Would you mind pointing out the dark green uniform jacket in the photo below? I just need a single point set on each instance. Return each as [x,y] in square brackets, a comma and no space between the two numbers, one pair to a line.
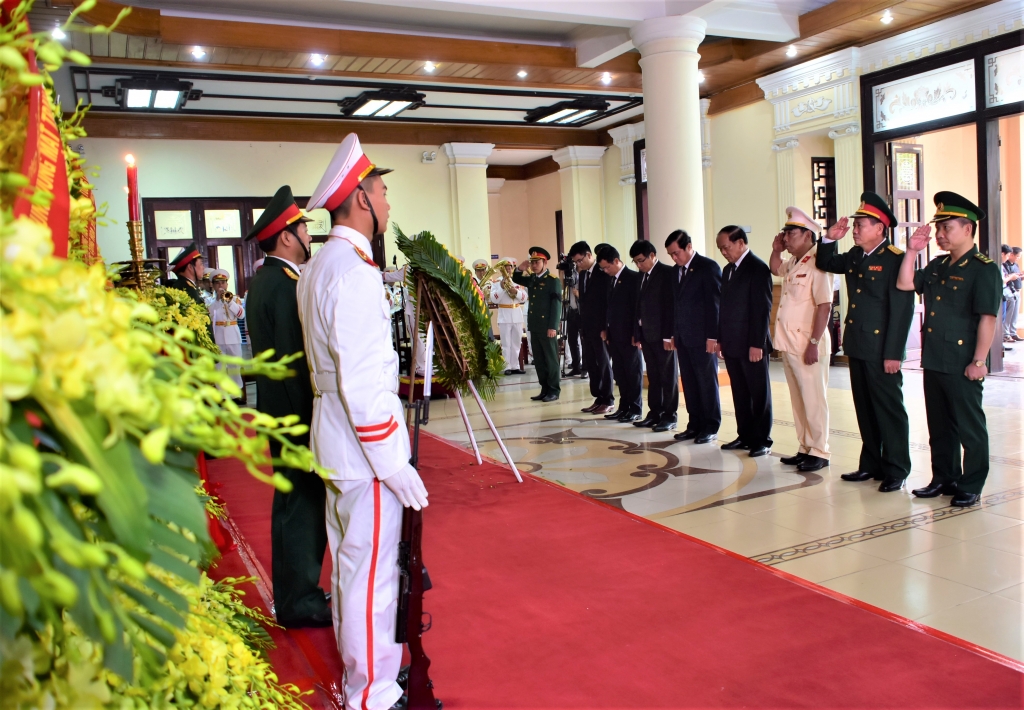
[879,315]
[545,311]
[196,294]
[956,295]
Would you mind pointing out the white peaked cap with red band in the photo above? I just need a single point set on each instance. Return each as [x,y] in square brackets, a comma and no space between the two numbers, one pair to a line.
[347,169]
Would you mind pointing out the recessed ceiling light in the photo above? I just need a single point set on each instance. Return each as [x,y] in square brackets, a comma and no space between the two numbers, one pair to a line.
[198,52]
[566,111]
[887,17]
[700,77]
[316,59]
[58,33]
[791,52]
[522,74]
[429,67]
[558,115]
[381,104]
[606,78]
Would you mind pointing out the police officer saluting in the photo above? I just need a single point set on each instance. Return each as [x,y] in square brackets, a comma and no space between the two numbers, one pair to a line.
[875,339]
[962,293]
[542,320]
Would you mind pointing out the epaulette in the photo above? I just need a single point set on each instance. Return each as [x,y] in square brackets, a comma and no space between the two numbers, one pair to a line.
[895,250]
[982,258]
[291,274]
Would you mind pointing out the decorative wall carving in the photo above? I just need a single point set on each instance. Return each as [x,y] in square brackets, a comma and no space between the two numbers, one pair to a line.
[844,129]
[817,104]
[1004,77]
[821,89]
[624,137]
[785,144]
[940,93]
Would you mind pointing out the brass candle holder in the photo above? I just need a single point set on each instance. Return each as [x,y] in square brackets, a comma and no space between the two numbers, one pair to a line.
[139,273]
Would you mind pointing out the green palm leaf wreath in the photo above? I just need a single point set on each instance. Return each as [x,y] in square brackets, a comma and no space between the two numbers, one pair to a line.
[454,303]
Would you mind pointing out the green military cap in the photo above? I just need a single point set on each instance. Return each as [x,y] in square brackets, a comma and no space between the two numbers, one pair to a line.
[874,205]
[281,212]
[539,253]
[949,205]
[186,257]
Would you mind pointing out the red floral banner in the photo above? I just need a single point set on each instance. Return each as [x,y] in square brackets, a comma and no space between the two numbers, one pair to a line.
[89,244]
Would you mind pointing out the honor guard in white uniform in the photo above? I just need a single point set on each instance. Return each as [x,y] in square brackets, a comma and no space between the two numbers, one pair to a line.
[358,429]
[225,310]
[510,319]
[801,335]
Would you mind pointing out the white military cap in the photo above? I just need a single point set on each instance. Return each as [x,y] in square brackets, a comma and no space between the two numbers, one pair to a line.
[479,264]
[510,259]
[347,169]
[219,275]
[796,217]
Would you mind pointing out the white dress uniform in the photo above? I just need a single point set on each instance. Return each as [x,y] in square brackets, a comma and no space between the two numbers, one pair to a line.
[804,288]
[224,316]
[358,432]
[510,322]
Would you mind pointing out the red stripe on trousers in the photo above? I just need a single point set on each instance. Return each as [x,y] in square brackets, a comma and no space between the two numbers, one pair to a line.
[369,593]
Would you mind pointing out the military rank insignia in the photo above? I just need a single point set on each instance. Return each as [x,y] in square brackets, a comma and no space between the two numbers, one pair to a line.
[877,267]
[291,274]
[982,258]
[895,250]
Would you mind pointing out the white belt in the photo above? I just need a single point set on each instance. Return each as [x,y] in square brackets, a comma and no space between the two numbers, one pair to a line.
[323,382]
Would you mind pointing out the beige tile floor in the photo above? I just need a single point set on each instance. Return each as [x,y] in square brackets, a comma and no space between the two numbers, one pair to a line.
[961,573]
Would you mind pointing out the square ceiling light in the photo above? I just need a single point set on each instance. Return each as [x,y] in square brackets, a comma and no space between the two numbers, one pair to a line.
[381,104]
[567,112]
[145,94]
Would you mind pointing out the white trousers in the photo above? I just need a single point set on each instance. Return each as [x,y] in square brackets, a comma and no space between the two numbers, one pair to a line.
[511,343]
[235,350]
[808,385]
[364,526]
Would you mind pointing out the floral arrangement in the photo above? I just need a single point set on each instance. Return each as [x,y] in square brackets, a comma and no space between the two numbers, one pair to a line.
[175,306]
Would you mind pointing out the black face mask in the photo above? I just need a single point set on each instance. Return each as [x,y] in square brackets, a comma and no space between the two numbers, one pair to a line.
[369,205]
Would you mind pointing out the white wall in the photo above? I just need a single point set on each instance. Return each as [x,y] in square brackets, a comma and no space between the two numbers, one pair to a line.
[419,194]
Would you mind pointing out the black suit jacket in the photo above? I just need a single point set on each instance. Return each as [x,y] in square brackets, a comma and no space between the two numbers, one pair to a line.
[622,306]
[272,316]
[655,309]
[594,287]
[697,297]
[745,308]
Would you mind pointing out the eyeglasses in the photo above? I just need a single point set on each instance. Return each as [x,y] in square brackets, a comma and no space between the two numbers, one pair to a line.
[639,260]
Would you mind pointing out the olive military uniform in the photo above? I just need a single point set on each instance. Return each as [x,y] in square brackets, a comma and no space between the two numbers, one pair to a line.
[956,295]
[877,324]
[298,530]
[545,314]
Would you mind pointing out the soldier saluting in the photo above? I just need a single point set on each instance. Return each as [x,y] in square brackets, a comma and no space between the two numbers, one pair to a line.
[962,295]
[875,339]
[543,318]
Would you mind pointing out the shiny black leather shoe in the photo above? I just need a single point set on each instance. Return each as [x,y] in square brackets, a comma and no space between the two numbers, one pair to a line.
[664,426]
[549,398]
[892,484]
[538,397]
[705,438]
[965,500]
[615,415]
[857,476]
[759,451]
[649,420]
[734,445]
[629,417]
[794,460]
[811,463]
[685,435]
[935,489]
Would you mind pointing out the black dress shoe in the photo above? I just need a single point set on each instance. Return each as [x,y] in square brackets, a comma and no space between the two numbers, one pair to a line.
[603,409]
[584,375]
[735,444]
[573,373]
[705,438]
[629,417]
[664,425]
[794,460]
[812,463]
[892,484]
[962,499]
[403,677]
[857,476]
[759,451]
[685,435]
[538,397]
[615,415]
[591,408]
[935,489]
[518,372]
[649,420]
[508,372]
[549,398]
[316,621]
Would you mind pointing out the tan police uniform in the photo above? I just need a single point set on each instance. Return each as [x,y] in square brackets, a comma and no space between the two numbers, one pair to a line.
[804,288]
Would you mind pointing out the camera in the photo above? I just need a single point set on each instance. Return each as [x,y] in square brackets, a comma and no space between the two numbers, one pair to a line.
[565,264]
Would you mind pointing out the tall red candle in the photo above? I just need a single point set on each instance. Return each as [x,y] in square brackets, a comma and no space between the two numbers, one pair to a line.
[133,189]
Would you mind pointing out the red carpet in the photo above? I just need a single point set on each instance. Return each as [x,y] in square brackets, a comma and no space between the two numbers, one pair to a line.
[545,599]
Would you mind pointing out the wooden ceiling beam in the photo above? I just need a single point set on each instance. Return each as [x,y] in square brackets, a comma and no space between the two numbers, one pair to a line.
[115,125]
[735,98]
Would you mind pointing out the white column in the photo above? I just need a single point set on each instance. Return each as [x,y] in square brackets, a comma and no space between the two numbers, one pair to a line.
[675,184]
[494,186]
[467,169]
[786,172]
[582,188]
[705,162]
[624,137]
[849,167]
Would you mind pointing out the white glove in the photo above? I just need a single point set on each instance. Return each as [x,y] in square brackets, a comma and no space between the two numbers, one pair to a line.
[408,487]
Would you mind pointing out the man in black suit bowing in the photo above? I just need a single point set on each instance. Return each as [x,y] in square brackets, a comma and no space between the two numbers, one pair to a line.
[744,341]
[653,332]
[594,285]
[698,290]
[618,334]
